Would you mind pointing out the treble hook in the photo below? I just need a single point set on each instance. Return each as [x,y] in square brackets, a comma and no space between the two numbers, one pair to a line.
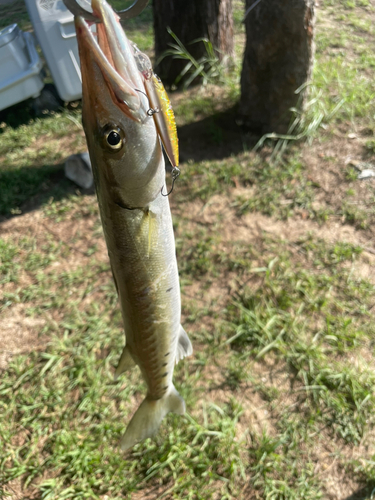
[175,173]
[86,12]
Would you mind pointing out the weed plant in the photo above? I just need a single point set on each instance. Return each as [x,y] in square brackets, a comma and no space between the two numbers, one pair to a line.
[208,68]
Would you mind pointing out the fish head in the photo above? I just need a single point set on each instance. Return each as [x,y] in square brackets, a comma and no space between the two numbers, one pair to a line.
[122,139]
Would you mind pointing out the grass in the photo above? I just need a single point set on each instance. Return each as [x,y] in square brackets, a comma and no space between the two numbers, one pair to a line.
[62,411]
[32,157]
[15,13]
[279,393]
[208,68]
[307,319]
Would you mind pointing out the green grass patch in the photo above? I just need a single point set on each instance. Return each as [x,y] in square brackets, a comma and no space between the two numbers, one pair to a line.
[63,414]
[32,157]
[282,376]
[313,316]
[15,12]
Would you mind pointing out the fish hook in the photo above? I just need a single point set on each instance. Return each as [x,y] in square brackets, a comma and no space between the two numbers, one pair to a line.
[151,111]
[84,9]
[175,173]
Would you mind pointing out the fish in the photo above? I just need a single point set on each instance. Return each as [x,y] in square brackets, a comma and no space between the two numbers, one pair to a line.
[129,173]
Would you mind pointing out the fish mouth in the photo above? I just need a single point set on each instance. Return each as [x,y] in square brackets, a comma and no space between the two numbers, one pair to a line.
[114,56]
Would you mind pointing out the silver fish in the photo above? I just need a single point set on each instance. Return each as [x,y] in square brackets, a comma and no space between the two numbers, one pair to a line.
[129,173]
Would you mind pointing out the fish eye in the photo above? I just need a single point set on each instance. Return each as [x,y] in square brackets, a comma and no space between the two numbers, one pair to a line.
[114,138]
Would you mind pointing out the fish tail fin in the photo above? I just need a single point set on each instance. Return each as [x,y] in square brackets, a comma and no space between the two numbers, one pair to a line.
[184,347]
[147,419]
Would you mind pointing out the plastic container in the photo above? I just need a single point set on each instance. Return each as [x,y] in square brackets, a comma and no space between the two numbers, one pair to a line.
[20,67]
[54,28]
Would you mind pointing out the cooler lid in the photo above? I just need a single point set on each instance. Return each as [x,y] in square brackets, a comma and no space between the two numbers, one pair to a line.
[8,34]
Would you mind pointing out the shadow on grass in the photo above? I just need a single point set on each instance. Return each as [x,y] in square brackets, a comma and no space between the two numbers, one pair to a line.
[29,110]
[364,493]
[216,137]
[17,115]
[23,113]
[27,188]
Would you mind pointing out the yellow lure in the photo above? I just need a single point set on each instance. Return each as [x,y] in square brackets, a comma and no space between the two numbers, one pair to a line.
[161,108]
[163,116]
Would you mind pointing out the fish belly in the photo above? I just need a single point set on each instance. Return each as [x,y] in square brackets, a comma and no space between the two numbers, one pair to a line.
[142,254]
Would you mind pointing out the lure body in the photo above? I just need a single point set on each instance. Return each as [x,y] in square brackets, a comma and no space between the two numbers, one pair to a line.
[160,107]
[164,119]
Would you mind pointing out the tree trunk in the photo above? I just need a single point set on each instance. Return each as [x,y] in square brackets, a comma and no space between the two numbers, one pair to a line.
[189,20]
[278,60]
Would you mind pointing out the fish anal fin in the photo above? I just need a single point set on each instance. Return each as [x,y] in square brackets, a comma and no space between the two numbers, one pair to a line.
[184,347]
[147,419]
[125,363]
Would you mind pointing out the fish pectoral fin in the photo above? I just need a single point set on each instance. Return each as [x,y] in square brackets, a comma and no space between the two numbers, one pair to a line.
[184,347]
[125,363]
[114,276]
[147,419]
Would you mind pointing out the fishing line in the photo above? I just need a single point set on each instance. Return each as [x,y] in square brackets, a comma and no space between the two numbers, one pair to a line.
[251,8]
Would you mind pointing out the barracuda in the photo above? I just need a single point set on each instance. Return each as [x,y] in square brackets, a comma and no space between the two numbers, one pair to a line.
[129,173]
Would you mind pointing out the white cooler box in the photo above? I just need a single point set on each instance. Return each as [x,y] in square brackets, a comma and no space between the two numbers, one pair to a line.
[54,29]
[20,67]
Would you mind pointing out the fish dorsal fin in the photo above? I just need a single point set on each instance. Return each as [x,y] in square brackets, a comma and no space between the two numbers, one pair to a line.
[184,347]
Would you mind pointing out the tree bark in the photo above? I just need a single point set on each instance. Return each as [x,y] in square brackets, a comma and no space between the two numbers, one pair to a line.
[189,20]
[278,60]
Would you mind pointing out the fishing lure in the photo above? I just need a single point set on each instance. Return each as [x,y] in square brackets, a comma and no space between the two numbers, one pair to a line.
[161,108]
